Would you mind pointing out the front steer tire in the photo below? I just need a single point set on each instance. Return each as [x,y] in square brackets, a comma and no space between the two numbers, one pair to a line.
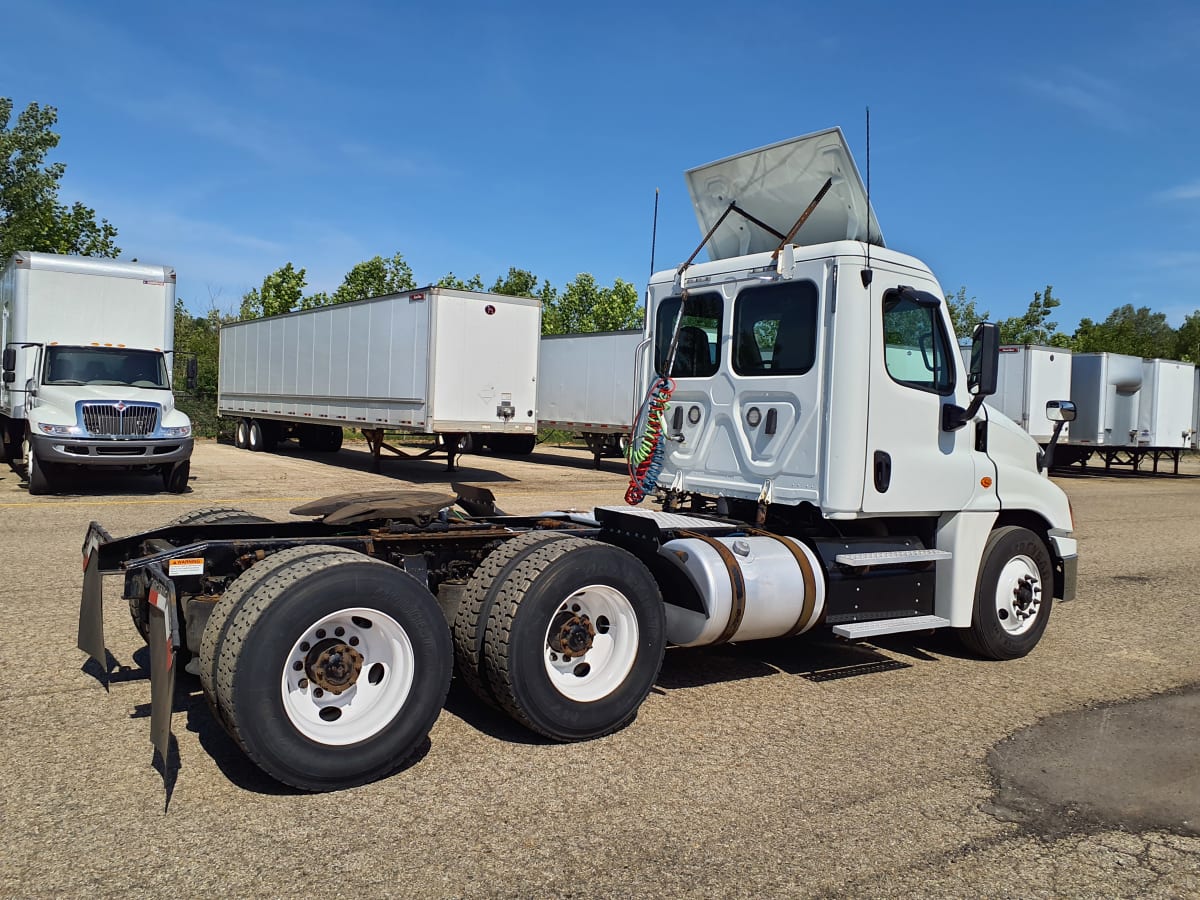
[268,670]
[1013,596]
[597,687]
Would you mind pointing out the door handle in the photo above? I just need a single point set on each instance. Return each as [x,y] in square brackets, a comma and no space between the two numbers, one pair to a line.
[883,471]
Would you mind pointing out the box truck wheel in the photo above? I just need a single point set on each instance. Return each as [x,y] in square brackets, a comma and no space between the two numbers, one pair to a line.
[575,639]
[37,473]
[209,515]
[254,436]
[331,439]
[241,434]
[175,476]
[1013,596]
[333,670]
[469,628]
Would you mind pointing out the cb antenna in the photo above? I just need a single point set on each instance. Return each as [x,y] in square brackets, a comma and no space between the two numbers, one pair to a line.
[654,232]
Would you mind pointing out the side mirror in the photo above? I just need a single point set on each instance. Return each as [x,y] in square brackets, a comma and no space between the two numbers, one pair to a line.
[9,376]
[985,360]
[10,360]
[1060,411]
[193,373]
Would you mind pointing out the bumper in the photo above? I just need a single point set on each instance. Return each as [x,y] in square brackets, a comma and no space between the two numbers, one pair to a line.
[1066,564]
[113,452]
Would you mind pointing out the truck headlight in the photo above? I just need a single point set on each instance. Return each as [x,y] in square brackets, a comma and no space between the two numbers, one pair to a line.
[181,431]
[60,429]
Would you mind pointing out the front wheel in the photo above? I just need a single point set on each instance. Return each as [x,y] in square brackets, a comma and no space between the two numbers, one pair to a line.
[331,675]
[1013,596]
[36,473]
[175,476]
[575,639]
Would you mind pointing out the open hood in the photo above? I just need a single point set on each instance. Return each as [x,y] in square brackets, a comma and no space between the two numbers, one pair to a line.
[775,184]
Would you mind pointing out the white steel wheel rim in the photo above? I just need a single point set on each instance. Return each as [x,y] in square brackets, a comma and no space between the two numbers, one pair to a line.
[603,667]
[377,695]
[1019,595]
[253,437]
[242,436]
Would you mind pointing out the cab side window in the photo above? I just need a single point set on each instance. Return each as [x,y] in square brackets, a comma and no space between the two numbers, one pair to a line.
[775,329]
[698,350]
[916,346]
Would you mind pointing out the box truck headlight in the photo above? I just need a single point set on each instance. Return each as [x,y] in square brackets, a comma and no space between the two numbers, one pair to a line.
[60,429]
[181,431]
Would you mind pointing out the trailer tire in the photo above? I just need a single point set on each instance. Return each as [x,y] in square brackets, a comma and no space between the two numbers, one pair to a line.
[1013,596]
[209,515]
[241,434]
[295,560]
[326,719]
[254,436]
[558,593]
[331,439]
[469,629]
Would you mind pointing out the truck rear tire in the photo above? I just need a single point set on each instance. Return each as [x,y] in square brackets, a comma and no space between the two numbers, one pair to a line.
[241,434]
[331,441]
[209,515]
[575,639]
[333,676]
[1013,597]
[469,629]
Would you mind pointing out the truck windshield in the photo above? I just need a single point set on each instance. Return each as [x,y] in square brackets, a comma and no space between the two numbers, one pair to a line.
[105,365]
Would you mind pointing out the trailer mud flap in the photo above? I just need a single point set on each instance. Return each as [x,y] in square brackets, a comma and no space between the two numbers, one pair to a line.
[91,602]
[164,638]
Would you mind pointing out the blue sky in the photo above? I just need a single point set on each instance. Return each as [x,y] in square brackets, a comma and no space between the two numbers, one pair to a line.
[1013,145]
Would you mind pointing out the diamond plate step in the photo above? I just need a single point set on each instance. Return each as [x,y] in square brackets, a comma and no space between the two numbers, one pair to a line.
[858,630]
[891,557]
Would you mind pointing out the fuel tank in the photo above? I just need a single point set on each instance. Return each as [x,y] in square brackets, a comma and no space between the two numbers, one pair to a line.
[740,588]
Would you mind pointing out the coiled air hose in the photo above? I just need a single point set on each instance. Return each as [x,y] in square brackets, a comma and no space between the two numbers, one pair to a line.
[645,456]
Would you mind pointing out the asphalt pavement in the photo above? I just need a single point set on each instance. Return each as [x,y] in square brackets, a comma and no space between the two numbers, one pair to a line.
[906,767]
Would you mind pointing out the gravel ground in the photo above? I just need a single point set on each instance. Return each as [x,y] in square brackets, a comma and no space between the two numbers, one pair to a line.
[739,777]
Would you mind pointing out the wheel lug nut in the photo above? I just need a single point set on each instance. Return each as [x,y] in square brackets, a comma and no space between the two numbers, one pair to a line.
[298,666]
[353,642]
[339,631]
[302,684]
[305,646]
[320,633]
[317,692]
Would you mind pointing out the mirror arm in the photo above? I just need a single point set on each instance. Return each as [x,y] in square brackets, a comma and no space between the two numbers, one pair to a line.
[955,417]
[1045,459]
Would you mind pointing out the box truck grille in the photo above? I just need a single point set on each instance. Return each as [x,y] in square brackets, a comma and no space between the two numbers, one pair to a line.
[120,419]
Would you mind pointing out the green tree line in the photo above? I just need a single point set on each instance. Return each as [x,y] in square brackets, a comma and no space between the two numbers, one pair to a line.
[1134,331]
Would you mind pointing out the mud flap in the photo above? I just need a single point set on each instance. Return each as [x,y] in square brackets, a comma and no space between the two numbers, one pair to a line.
[91,603]
[164,638]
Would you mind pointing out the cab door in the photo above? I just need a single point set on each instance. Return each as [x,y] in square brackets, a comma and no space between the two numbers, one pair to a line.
[913,465]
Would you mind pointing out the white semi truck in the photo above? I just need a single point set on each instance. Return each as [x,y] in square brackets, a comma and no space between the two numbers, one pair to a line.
[87,369]
[821,458]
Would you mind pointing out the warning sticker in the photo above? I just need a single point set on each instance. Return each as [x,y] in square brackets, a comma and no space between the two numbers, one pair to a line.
[186,567]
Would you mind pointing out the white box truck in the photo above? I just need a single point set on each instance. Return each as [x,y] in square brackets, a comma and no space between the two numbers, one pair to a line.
[87,369]
[822,458]
[458,364]
[586,386]
[1167,403]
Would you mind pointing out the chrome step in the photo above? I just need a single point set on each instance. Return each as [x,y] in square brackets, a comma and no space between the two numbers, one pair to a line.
[891,557]
[858,630]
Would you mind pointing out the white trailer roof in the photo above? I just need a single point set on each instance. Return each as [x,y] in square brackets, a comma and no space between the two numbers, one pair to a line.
[775,184]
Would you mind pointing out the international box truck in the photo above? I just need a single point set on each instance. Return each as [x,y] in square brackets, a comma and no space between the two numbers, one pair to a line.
[820,456]
[87,369]
[458,365]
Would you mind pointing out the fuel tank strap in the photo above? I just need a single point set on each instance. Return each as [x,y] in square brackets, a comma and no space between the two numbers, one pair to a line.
[738,611]
[806,573]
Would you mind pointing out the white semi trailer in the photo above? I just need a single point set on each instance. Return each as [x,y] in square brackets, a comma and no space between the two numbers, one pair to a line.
[586,386]
[87,369]
[822,461]
[460,365]
[1167,403]
[1030,376]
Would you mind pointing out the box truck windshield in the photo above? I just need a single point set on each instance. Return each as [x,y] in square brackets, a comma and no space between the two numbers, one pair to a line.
[107,366]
